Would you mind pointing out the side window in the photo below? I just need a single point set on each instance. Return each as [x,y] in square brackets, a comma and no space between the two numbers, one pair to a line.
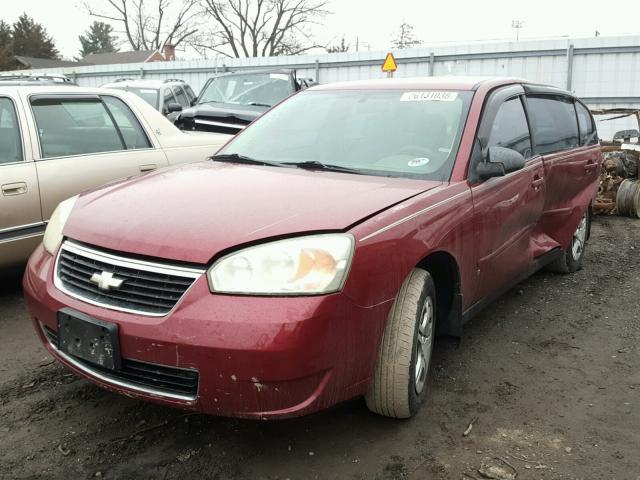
[588,134]
[181,96]
[168,98]
[554,123]
[132,132]
[190,93]
[74,126]
[510,128]
[10,144]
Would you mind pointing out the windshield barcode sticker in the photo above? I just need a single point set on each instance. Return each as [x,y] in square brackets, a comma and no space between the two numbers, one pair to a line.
[429,96]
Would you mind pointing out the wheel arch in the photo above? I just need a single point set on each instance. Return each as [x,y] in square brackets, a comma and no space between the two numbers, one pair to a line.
[445,272]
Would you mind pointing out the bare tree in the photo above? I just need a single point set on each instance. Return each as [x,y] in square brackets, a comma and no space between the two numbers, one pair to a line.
[258,28]
[406,37]
[151,24]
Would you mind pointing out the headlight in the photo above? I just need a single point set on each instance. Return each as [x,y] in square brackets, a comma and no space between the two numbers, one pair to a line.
[298,266]
[53,233]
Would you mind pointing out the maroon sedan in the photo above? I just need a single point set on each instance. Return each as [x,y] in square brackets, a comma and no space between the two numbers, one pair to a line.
[317,255]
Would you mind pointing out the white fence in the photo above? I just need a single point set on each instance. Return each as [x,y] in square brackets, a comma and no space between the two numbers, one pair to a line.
[603,71]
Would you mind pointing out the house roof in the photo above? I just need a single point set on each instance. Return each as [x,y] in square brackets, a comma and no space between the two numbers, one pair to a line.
[118,57]
[33,62]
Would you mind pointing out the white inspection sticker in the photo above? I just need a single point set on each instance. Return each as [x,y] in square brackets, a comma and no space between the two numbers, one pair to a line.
[429,96]
[418,162]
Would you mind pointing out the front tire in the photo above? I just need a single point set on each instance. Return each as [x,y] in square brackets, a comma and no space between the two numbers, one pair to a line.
[398,387]
[571,259]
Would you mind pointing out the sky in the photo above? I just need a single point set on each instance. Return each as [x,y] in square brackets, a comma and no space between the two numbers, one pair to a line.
[373,23]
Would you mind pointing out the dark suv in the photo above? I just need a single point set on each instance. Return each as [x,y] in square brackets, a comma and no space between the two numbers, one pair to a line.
[230,102]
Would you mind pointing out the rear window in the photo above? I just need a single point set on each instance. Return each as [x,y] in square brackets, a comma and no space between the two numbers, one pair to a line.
[149,95]
[390,133]
[554,123]
[80,125]
[588,134]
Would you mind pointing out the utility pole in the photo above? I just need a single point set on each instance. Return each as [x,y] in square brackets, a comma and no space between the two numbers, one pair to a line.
[517,24]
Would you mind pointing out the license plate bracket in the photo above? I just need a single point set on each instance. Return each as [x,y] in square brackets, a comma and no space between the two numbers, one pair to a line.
[89,339]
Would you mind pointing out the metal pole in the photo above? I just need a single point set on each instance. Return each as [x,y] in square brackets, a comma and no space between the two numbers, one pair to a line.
[569,66]
[432,64]
[317,79]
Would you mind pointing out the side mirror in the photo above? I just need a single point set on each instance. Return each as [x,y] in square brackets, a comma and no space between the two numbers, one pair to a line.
[173,107]
[500,161]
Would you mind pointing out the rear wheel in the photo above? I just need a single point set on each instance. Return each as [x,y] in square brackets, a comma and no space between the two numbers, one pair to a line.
[571,260]
[398,387]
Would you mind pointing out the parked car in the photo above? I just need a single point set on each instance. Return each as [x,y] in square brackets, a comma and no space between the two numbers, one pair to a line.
[11,78]
[230,102]
[56,141]
[169,97]
[311,262]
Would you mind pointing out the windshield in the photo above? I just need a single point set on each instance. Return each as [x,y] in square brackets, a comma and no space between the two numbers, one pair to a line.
[265,89]
[392,133]
[149,95]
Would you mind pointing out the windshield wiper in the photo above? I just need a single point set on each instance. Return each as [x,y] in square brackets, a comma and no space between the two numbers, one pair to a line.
[209,101]
[258,104]
[236,158]
[327,167]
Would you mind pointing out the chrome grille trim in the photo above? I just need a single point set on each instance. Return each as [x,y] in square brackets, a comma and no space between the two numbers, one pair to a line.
[176,271]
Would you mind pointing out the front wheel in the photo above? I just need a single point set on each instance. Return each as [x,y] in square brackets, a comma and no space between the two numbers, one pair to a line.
[571,259]
[398,387]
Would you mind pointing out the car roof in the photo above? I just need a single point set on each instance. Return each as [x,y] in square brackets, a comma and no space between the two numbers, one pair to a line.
[31,89]
[28,82]
[156,84]
[442,83]
[285,71]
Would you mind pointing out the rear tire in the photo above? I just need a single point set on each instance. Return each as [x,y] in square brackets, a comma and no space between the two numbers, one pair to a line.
[398,386]
[571,259]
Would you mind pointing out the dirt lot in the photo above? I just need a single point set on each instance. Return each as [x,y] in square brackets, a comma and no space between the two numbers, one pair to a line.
[549,375]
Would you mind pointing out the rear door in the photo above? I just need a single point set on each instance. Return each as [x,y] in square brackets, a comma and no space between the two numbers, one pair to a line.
[86,141]
[506,209]
[21,224]
[571,161]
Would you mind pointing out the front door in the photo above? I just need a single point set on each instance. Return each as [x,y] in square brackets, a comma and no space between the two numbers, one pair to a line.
[506,208]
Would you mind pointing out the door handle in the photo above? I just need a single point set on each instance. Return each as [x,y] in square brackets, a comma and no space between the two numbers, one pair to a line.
[148,168]
[18,188]
[589,166]
[537,182]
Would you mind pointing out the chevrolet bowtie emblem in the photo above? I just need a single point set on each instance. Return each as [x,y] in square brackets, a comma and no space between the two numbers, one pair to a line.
[106,281]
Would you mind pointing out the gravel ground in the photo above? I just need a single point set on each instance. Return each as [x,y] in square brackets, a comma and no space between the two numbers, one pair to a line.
[548,375]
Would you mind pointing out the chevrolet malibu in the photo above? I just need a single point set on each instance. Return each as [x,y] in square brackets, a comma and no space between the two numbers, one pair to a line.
[310,262]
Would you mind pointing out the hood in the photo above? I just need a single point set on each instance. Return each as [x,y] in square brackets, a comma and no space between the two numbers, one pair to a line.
[228,111]
[192,212]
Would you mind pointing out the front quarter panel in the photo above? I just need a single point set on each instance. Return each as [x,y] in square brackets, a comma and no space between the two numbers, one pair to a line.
[390,244]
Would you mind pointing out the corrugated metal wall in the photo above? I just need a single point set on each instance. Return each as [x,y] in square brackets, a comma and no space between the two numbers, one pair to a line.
[604,71]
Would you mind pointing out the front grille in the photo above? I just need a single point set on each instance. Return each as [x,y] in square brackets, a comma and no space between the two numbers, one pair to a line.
[143,375]
[147,288]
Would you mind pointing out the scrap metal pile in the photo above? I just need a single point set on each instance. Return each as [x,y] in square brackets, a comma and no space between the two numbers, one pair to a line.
[619,191]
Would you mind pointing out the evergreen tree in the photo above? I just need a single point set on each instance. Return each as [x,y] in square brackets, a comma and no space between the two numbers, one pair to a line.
[31,39]
[6,52]
[98,39]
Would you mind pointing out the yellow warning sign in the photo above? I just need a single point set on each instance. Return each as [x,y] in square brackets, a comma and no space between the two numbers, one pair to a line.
[389,64]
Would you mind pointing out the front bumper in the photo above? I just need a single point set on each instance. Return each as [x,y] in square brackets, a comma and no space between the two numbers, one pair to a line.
[257,357]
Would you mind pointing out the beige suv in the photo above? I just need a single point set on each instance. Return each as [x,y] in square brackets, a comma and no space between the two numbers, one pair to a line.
[58,141]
